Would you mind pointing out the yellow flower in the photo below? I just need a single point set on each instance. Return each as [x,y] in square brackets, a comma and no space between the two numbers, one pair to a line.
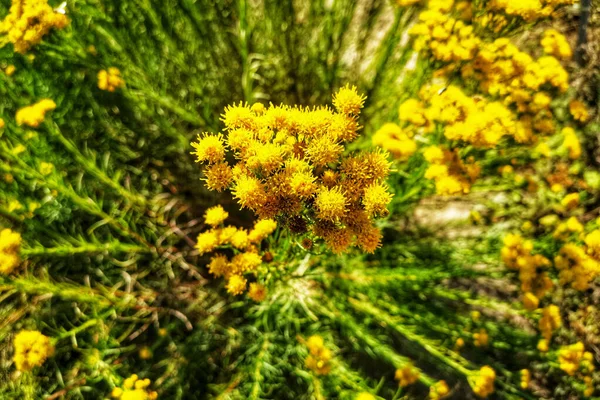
[578,111]
[245,262]
[570,201]
[215,216]
[530,301]
[134,389]
[550,321]
[570,357]
[249,192]
[348,101]
[542,345]
[407,375]
[207,241]
[209,148]
[434,154]
[257,292]
[525,378]
[218,176]
[319,356]
[34,115]
[46,168]
[10,243]
[331,204]
[439,390]
[554,43]
[145,353]
[236,284]
[28,21]
[262,229]
[571,143]
[110,79]
[10,70]
[31,350]
[483,383]
[376,199]
[481,338]
[219,265]
[365,396]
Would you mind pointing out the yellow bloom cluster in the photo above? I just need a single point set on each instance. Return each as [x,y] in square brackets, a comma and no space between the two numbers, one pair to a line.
[566,228]
[481,338]
[257,292]
[446,38]
[525,378]
[578,111]
[28,21]
[576,266]
[555,44]
[572,357]
[289,165]
[31,350]
[394,139]
[439,390]
[517,255]
[244,244]
[319,356]
[549,322]
[134,389]
[450,173]
[10,243]
[529,10]
[110,79]
[34,115]
[571,143]
[482,383]
[406,375]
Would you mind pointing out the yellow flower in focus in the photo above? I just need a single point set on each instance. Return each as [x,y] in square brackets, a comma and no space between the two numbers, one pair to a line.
[215,216]
[209,148]
[207,242]
[257,292]
[31,350]
[578,111]
[406,375]
[34,115]
[348,101]
[28,21]
[219,265]
[236,284]
[330,204]
[261,230]
[110,79]
[376,199]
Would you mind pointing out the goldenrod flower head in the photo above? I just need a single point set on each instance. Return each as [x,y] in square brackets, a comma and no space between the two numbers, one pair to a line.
[331,204]
[406,375]
[319,356]
[28,21]
[571,143]
[555,44]
[218,176]
[439,390]
[34,115]
[209,148]
[369,239]
[570,357]
[550,321]
[10,243]
[249,191]
[236,284]
[434,154]
[46,168]
[570,201]
[348,101]
[215,216]
[207,241]
[110,79]
[398,142]
[257,292]
[31,350]
[219,265]
[530,301]
[240,239]
[483,383]
[134,389]
[262,229]
[525,378]
[376,199]
[245,262]
[578,111]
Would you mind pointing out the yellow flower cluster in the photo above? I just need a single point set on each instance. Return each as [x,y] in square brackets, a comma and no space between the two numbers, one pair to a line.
[525,378]
[450,173]
[395,140]
[439,390]
[566,228]
[406,375]
[529,10]
[28,21]
[446,38]
[578,111]
[555,44]
[481,338]
[244,244]
[482,383]
[319,356]
[34,115]
[110,79]
[571,143]
[10,242]
[289,165]
[576,266]
[517,255]
[257,292]
[572,357]
[549,322]
[31,350]
[134,389]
